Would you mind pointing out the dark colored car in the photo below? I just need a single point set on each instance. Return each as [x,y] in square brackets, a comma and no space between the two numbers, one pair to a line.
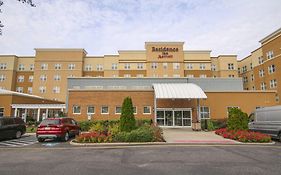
[57,128]
[11,127]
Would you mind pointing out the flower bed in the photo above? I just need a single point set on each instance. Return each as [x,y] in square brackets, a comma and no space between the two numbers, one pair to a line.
[244,135]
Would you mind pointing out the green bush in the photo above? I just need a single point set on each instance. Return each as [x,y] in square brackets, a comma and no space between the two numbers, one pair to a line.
[142,134]
[213,124]
[237,120]
[127,119]
[86,125]
[97,127]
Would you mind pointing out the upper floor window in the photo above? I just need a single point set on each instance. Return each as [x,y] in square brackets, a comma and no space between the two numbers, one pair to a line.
[176,66]
[2,78]
[203,76]
[19,89]
[260,60]
[71,66]
[44,66]
[57,77]
[154,65]
[245,79]
[165,65]
[21,78]
[29,90]
[88,67]
[31,67]
[269,54]
[273,83]
[244,69]
[213,67]
[231,76]
[56,90]
[127,66]
[271,69]
[189,75]
[261,73]
[140,66]
[127,75]
[3,66]
[114,66]
[42,89]
[99,67]
[263,86]
[189,66]
[202,66]
[57,66]
[139,75]
[43,77]
[238,70]
[1,112]
[21,66]
[251,66]
[30,78]
[230,66]
[252,77]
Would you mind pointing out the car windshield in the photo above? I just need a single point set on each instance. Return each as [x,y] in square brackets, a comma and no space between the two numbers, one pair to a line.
[50,122]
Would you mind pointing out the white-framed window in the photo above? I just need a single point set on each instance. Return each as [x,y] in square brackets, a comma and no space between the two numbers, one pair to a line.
[269,54]
[114,66]
[189,75]
[57,66]
[154,65]
[88,67]
[30,78]
[21,78]
[44,66]
[140,66]
[261,73]
[271,69]
[118,109]
[231,76]
[244,69]
[104,110]
[90,110]
[273,83]
[43,77]
[29,90]
[176,75]
[230,66]
[263,86]
[3,66]
[176,66]
[71,66]
[140,75]
[76,109]
[1,112]
[21,66]
[56,90]
[135,109]
[147,110]
[19,89]
[245,79]
[213,67]
[127,75]
[127,66]
[2,78]
[57,77]
[42,89]
[165,65]
[99,67]
[203,76]
[189,66]
[260,60]
[31,67]
[204,112]
[251,66]
[202,66]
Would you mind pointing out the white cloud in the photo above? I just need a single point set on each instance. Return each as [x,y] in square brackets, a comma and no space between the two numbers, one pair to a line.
[103,27]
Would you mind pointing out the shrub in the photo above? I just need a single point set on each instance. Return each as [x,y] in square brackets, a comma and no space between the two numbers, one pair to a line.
[237,120]
[94,137]
[113,129]
[86,125]
[98,127]
[142,134]
[127,119]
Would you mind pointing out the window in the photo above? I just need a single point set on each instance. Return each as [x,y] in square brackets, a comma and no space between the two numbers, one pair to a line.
[127,66]
[135,109]
[3,66]
[76,109]
[269,54]
[263,86]
[244,69]
[90,110]
[189,66]
[203,76]
[2,78]
[88,67]
[30,78]
[245,79]
[127,75]
[19,89]
[176,75]
[104,110]
[230,66]
[165,65]
[43,77]
[273,83]
[44,66]
[189,75]
[213,67]
[261,73]
[1,112]
[56,90]
[31,67]
[21,78]
[147,110]
[202,66]
[71,66]
[99,67]
[204,112]
[118,110]
[153,65]
[252,77]
[271,69]
[260,60]
[176,66]
[238,70]
[251,66]
[57,77]
[29,90]
[57,66]
[139,75]
[253,88]
[114,66]
[231,76]
[140,66]
[21,66]
[42,89]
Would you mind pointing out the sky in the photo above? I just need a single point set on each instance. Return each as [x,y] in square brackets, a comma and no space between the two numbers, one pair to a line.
[103,27]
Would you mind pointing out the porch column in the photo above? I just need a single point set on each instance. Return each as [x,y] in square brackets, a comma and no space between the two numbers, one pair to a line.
[38,114]
[47,111]
[25,113]
[198,110]
[155,111]
[16,112]
[61,109]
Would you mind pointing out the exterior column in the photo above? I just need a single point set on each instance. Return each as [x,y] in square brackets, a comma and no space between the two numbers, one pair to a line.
[155,111]
[38,115]
[47,111]
[16,112]
[25,113]
[198,110]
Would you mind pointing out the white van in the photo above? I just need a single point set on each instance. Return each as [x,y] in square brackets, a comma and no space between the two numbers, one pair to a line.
[267,120]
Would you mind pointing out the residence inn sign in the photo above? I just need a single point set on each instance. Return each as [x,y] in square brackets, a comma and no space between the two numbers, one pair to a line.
[165,51]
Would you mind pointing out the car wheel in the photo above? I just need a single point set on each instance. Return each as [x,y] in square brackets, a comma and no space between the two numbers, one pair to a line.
[66,137]
[41,140]
[18,135]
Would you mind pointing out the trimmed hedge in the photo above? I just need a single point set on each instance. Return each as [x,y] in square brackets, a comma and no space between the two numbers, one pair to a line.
[237,120]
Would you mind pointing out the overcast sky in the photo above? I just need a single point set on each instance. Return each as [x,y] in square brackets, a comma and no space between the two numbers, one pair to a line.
[106,26]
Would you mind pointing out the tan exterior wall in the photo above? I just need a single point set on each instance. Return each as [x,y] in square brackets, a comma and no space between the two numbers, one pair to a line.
[9,73]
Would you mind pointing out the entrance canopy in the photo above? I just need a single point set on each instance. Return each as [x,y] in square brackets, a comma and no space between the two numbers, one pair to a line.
[178,91]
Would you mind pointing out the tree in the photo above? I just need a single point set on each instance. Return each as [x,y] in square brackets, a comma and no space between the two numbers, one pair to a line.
[237,120]
[28,2]
[127,119]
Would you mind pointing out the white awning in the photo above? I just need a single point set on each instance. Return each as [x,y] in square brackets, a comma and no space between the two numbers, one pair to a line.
[36,106]
[178,91]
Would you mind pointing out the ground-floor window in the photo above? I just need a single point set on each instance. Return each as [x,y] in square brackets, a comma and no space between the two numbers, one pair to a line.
[76,109]
[104,110]
[147,109]
[90,110]
[135,109]
[204,112]
[1,112]
[118,110]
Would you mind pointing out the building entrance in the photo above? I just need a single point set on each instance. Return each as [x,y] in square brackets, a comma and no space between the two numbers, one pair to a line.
[174,117]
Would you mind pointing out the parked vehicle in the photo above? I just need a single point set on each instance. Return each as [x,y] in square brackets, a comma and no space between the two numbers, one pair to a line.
[267,120]
[11,127]
[57,128]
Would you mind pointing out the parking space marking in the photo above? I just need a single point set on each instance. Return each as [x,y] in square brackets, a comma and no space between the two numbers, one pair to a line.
[24,141]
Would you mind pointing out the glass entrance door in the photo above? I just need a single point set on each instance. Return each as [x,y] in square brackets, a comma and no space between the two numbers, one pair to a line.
[177,118]
[169,118]
[186,118]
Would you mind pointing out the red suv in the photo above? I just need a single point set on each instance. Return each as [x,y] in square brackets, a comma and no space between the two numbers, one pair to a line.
[57,128]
